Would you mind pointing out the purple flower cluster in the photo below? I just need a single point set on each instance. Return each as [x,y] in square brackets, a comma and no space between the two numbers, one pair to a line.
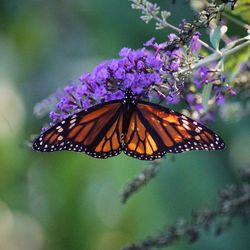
[135,69]
[153,73]
[207,75]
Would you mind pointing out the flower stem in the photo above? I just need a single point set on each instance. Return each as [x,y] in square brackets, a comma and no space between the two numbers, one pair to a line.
[168,25]
[142,179]
[215,56]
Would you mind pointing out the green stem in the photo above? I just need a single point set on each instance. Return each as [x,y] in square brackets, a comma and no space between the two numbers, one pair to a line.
[166,24]
[224,53]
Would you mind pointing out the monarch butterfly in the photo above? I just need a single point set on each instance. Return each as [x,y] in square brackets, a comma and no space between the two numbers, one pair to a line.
[140,129]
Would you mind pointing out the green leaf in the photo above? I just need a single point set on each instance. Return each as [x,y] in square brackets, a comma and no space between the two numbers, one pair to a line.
[242,9]
[206,92]
[215,36]
[232,65]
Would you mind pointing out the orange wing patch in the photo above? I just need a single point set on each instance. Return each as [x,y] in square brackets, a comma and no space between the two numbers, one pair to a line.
[83,132]
[168,117]
[112,139]
[52,137]
[99,112]
[138,141]
[74,131]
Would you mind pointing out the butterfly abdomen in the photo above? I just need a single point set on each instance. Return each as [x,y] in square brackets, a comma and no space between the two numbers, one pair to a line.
[128,105]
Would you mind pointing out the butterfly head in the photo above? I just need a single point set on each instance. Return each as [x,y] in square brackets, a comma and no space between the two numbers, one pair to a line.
[129,98]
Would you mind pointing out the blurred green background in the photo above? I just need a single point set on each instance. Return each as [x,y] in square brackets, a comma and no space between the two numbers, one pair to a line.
[69,201]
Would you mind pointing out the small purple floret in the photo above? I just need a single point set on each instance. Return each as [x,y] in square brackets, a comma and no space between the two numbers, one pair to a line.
[195,44]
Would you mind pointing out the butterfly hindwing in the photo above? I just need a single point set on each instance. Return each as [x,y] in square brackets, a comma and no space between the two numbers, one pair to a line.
[111,142]
[96,132]
[140,141]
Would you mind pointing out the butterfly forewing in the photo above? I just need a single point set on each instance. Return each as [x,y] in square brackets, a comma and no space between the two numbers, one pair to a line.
[96,132]
[177,132]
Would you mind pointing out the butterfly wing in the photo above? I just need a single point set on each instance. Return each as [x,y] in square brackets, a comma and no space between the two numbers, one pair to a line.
[155,130]
[96,132]
[141,140]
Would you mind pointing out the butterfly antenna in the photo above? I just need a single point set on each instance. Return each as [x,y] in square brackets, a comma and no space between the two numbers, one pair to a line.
[122,90]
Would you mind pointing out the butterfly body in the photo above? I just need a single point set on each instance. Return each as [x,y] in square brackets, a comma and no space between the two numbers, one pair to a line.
[128,105]
[140,129]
